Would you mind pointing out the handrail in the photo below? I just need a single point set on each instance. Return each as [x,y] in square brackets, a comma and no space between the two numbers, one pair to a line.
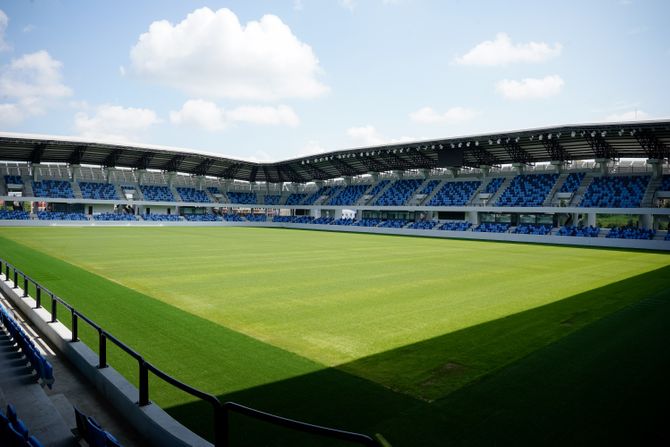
[221,410]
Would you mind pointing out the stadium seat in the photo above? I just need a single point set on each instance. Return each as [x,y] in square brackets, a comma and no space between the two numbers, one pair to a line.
[615,192]
[454,194]
[455,226]
[572,182]
[98,191]
[193,195]
[295,199]
[156,193]
[398,193]
[527,190]
[55,189]
[423,225]
[242,198]
[493,185]
[14,215]
[349,195]
[492,228]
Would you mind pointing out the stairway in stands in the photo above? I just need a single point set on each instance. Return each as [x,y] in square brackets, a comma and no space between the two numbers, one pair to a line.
[588,179]
[551,200]
[652,186]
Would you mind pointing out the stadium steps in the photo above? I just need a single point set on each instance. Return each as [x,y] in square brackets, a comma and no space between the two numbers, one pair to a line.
[373,199]
[365,197]
[210,196]
[28,189]
[551,199]
[175,193]
[284,197]
[579,195]
[474,200]
[34,408]
[119,191]
[501,189]
[76,190]
[432,194]
[652,186]
[416,198]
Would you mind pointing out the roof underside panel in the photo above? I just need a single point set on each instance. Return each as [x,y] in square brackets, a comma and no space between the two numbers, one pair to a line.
[649,139]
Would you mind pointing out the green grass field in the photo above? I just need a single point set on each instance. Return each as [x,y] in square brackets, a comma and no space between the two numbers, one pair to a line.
[428,341]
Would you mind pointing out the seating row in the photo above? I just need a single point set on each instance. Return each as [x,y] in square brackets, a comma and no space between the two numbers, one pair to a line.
[570,230]
[631,233]
[92,432]
[527,190]
[13,431]
[193,195]
[615,192]
[455,194]
[398,193]
[98,191]
[41,366]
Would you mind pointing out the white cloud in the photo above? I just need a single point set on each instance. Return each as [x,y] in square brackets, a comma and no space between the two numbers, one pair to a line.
[297,5]
[28,28]
[631,115]
[115,123]
[207,115]
[369,136]
[311,148]
[366,135]
[348,4]
[451,116]
[210,54]
[33,83]
[502,51]
[4,21]
[530,88]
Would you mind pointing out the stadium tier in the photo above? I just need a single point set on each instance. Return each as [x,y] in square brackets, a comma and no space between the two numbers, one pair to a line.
[493,185]
[615,192]
[193,195]
[455,194]
[579,231]
[527,190]
[492,228]
[242,198]
[157,193]
[54,189]
[455,226]
[539,230]
[349,195]
[572,182]
[99,191]
[398,193]
[271,199]
[13,180]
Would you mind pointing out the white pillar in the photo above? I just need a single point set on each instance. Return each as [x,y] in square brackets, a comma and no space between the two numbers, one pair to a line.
[591,219]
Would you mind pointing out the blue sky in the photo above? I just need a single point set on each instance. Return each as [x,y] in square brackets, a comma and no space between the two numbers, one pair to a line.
[270,80]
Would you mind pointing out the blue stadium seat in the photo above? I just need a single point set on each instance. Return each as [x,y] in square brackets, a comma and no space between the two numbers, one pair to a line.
[572,182]
[14,215]
[422,225]
[569,230]
[527,190]
[492,228]
[349,195]
[161,217]
[615,192]
[631,233]
[343,221]
[155,193]
[256,217]
[271,199]
[114,217]
[98,191]
[55,189]
[398,193]
[202,218]
[493,185]
[242,198]
[454,194]
[539,230]
[57,215]
[455,226]
[193,195]
[13,180]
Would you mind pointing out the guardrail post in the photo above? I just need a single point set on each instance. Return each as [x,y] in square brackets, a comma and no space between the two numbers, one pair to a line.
[102,353]
[75,328]
[25,286]
[6,272]
[144,384]
[54,309]
[221,426]
[0,265]
[38,296]
[16,278]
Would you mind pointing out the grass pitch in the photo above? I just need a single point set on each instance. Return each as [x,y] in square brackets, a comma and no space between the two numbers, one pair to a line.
[309,323]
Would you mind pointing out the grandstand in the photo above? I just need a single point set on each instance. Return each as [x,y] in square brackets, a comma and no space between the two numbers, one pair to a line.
[600,185]
[395,188]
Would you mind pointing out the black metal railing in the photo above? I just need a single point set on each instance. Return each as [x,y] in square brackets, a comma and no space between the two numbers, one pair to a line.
[221,410]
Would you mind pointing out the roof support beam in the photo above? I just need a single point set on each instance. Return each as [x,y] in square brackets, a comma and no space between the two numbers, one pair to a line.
[317,173]
[253,173]
[481,156]
[600,147]
[204,166]
[174,163]
[344,168]
[145,160]
[77,155]
[652,146]
[554,149]
[516,152]
[374,164]
[37,152]
[230,171]
[113,158]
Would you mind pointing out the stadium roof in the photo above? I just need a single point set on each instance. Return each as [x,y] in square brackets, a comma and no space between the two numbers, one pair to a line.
[641,139]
